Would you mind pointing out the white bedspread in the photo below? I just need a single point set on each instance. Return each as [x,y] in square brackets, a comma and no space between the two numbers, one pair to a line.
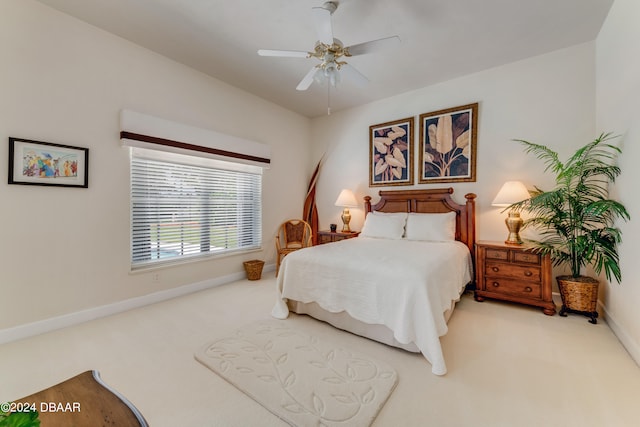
[402,284]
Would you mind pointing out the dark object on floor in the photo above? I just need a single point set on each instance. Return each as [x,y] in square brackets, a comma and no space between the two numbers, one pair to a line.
[84,401]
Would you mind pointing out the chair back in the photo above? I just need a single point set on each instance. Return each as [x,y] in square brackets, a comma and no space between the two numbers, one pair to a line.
[294,234]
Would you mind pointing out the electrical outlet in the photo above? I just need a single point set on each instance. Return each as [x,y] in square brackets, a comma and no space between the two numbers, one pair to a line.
[156,277]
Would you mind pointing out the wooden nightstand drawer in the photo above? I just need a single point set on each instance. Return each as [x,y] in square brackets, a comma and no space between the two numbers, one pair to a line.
[513,273]
[514,287]
[325,236]
[526,257]
[531,274]
[502,254]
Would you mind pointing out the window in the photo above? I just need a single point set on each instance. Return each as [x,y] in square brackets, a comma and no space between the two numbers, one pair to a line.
[184,207]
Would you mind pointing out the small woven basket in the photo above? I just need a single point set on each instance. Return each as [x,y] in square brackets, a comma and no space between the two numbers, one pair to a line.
[578,293]
[253,269]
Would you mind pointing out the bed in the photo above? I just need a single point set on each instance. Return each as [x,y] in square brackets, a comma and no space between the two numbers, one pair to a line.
[398,282]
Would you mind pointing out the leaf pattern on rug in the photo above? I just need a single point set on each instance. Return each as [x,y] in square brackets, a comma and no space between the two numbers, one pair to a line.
[299,377]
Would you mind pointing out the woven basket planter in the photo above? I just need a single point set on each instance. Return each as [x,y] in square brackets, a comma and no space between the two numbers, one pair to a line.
[253,269]
[579,295]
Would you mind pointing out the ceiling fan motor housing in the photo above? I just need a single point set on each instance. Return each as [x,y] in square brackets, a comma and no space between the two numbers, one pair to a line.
[326,52]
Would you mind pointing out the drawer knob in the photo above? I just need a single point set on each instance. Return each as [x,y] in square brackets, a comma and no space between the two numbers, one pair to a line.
[496,269]
[528,273]
[528,289]
[495,284]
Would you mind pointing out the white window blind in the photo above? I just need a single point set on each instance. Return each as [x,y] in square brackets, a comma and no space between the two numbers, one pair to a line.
[184,207]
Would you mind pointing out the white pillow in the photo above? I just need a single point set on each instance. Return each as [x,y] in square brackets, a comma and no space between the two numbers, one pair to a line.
[384,226]
[436,226]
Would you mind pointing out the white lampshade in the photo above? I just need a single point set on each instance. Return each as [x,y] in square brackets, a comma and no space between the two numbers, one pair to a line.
[510,193]
[347,199]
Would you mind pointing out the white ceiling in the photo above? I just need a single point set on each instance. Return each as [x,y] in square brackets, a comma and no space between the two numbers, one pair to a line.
[441,39]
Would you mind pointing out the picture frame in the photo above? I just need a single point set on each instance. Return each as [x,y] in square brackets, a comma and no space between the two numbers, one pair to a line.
[448,145]
[391,153]
[45,163]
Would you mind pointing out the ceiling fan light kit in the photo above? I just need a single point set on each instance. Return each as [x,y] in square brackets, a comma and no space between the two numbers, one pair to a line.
[328,50]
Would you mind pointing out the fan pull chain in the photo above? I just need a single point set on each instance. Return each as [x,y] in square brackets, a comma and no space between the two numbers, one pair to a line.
[328,99]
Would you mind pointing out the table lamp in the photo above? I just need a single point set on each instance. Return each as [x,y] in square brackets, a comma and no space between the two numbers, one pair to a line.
[347,200]
[510,193]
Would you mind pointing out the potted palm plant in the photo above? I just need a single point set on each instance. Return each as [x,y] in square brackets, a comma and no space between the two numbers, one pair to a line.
[19,419]
[576,220]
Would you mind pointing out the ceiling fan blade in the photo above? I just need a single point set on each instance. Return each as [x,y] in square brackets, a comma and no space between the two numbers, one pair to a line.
[372,46]
[283,53]
[308,79]
[322,21]
[356,76]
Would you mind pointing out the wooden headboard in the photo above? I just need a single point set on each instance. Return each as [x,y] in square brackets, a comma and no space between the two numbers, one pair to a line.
[431,201]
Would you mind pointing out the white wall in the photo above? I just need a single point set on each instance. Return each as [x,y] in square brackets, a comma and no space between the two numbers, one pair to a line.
[618,109]
[547,99]
[67,249]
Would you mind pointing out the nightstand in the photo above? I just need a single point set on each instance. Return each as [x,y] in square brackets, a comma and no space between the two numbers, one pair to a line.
[326,236]
[513,273]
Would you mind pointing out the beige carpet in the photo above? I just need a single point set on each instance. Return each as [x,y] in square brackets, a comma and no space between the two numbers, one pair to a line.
[509,365]
[300,378]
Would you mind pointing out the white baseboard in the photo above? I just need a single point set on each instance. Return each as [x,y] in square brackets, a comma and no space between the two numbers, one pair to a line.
[632,347]
[59,322]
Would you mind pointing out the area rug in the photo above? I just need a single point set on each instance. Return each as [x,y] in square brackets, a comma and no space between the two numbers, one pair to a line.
[300,378]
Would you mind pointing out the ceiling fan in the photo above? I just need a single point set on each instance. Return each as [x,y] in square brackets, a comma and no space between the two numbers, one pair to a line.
[331,52]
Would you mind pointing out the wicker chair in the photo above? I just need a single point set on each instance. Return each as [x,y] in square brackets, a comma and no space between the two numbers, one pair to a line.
[293,234]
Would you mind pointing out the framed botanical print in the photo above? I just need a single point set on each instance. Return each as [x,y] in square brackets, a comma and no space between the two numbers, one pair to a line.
[448,144]
[391,153]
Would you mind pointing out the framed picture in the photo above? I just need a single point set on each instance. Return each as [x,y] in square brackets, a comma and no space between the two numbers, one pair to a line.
[391,153]
[448,145]
[45,163]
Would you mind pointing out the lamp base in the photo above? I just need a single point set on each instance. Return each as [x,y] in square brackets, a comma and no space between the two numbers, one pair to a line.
[514,223]
[346,218]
